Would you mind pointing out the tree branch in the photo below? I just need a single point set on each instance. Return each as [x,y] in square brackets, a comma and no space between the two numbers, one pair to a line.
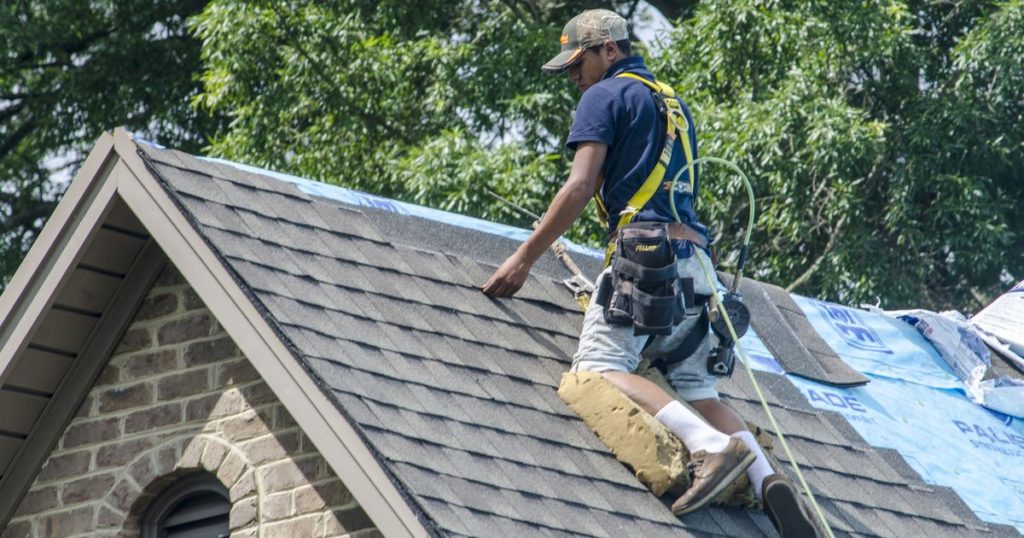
[13,139]
[11,111]
[70,47]
[802,279]
[675,10]
[320,72]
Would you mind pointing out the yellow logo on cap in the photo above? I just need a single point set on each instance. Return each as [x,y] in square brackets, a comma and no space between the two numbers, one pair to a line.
[564,39]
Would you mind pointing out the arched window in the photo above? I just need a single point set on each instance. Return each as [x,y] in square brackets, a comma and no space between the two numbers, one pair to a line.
[194,506]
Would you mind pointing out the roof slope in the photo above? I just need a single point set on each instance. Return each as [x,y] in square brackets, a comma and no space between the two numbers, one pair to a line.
[454,392]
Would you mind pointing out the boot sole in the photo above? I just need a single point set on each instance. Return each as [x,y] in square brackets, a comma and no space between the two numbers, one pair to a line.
[724,483]
[782,503]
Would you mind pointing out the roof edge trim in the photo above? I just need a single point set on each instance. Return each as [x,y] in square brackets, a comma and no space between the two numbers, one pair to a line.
[78,381]
[55,251]
[338,442]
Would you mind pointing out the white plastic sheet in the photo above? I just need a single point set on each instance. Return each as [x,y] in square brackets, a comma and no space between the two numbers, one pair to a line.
[1004,318]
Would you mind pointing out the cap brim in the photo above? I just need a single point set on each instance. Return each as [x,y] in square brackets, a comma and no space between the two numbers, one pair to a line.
[561,61]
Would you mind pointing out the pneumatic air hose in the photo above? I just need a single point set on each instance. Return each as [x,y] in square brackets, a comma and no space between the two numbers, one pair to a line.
[728,322]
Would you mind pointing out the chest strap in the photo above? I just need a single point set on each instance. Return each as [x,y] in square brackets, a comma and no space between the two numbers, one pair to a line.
[676,126]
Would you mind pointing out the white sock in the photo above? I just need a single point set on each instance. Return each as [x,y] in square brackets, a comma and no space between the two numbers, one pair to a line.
[760,469]
[688,426]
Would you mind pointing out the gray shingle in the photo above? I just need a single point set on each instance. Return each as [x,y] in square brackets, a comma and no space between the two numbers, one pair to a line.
[734,522]
[926,501]
[347,221]
[873,522]
[457,390]
[199,186]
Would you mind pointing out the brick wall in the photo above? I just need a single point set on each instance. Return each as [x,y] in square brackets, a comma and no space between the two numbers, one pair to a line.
[177,396]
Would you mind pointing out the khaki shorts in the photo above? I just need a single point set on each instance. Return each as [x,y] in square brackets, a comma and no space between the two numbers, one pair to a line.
[605,347]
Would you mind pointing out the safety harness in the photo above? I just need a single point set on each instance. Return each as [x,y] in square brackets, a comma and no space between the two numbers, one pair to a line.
[643,289]
[676,126]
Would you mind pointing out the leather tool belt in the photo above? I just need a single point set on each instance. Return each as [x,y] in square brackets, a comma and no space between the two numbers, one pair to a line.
[676,230]
[643,288]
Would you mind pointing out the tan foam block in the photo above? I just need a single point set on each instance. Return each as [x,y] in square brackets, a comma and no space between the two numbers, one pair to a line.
[636,439]
[738,494]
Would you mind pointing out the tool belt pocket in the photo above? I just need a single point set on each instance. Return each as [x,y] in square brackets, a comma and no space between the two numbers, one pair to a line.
[642,288]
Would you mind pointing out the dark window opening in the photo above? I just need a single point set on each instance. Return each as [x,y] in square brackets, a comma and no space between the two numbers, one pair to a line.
[194,506]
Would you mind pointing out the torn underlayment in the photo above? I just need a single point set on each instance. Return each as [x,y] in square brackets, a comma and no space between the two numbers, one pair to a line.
[961,345]
[655,455]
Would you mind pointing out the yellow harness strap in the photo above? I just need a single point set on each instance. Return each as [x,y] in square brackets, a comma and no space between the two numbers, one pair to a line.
[675,126]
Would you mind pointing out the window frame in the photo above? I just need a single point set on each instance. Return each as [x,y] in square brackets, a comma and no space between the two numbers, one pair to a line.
[164,504]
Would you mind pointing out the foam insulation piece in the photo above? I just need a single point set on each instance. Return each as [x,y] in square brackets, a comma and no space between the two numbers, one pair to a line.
[656,456]
[738,494]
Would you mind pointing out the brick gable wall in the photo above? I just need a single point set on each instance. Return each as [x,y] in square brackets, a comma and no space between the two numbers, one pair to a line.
[177,396]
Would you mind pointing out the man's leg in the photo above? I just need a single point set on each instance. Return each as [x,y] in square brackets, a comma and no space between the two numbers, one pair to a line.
[695,433]
[716,459]
[693,383]
[691,380]
[779,496]
[615,351]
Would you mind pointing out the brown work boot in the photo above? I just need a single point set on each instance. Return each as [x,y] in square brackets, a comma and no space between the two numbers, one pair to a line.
[712,473]
[790,516]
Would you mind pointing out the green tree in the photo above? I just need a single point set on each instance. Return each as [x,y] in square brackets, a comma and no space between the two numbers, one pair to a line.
[883,138]
[71,69]
[435,102]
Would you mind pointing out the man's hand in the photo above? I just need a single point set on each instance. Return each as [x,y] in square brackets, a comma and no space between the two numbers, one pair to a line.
[509,278]
[584,179]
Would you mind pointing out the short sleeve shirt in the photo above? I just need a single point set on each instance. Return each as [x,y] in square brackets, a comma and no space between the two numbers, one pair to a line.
[622,113]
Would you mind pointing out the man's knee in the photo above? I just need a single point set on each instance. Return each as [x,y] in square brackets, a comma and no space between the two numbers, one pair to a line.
[645,393]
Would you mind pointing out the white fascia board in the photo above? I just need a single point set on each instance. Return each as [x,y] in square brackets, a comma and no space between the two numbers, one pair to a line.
[340,445]
[56,251]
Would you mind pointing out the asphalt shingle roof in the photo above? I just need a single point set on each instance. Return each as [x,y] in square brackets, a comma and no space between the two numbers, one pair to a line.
[456,392]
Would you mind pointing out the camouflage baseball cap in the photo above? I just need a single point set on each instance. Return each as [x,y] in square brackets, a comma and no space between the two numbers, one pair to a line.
[590,28]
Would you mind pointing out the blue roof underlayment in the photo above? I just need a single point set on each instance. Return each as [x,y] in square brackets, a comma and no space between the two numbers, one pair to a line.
[914,403]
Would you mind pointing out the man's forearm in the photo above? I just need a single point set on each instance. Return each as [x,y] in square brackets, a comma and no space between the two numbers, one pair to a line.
[567,205]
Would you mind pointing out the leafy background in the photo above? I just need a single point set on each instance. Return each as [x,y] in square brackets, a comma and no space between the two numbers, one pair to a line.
[883,137]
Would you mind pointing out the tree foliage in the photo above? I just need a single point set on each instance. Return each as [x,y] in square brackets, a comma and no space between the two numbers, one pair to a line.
[72,68]
[435,102]
[882,136]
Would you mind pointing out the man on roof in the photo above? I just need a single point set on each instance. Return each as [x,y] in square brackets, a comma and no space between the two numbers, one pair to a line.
[631,135]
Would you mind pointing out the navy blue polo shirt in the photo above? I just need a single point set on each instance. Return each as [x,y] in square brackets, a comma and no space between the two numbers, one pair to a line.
[621,112]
